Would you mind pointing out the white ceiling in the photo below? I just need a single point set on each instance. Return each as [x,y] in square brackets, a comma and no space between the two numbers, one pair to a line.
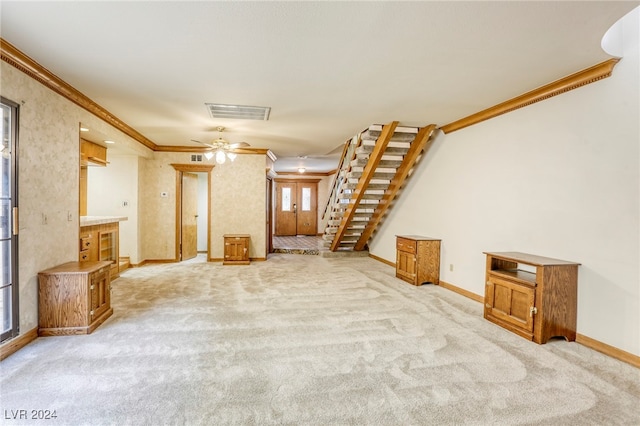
[327,69]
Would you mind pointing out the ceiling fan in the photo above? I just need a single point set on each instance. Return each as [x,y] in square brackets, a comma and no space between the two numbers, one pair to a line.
[220,148]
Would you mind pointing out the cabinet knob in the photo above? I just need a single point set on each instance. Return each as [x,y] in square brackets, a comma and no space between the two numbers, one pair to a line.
[532,311]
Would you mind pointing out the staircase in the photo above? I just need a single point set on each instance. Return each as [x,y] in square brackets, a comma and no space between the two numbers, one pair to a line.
[372,170]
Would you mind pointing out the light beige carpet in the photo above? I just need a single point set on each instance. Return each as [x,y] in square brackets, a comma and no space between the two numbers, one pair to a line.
[306,340]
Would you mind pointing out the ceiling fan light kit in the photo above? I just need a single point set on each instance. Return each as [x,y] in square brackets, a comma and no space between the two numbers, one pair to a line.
[221,149]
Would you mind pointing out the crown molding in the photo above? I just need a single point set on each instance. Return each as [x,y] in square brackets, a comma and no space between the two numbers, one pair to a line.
[14,57]
[573,81]
[193,168]
[329,173]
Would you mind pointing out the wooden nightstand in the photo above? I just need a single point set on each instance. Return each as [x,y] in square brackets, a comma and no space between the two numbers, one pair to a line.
[418,259]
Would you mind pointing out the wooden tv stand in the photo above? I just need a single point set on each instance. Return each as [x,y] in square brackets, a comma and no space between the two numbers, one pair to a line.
[533,296]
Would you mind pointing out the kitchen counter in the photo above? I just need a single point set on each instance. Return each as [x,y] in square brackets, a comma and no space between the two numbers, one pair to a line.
[100,220]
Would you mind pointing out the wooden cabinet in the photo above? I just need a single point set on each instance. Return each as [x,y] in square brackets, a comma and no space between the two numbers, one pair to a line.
[418,259]
[74,298]
[236,249]
[92,153]
[100,243]
[532,296]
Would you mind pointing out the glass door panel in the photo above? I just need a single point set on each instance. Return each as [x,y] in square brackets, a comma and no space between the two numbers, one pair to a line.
[9,324]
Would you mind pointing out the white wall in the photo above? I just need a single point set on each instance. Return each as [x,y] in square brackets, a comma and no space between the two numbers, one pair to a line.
[559,178]
[108,189]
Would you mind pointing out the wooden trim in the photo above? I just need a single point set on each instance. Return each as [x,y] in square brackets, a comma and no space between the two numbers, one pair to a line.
[608,350]
[258,259]
[12,346]
[177,148]
[461,291]
[417,146]
[216,259]
[385,261]
[178,216]
[363,182]
[329,173]
[126,260]
[573,81]
[156,261]
[14,57]
[192,168]
[296,180]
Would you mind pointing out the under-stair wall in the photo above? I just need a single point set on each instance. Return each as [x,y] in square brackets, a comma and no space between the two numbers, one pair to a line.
[372,170]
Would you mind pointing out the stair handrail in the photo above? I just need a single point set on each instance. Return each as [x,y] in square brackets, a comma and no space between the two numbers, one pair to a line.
[348,151]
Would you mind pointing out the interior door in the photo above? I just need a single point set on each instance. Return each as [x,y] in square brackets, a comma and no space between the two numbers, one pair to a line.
[307,209]
[286,208]
[189,227]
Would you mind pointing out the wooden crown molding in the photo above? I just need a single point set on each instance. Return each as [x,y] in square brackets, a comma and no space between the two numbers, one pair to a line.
[14,57]
[573,81]
[302,175]
[176,148]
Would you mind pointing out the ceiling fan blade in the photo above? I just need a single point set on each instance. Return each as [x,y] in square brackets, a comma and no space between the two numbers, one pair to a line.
[203,143]
[238,145]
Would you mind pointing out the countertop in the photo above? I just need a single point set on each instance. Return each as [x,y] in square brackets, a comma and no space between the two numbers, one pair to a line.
[100,220]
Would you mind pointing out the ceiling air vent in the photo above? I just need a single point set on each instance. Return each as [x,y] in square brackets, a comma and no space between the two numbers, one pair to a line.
[241,112]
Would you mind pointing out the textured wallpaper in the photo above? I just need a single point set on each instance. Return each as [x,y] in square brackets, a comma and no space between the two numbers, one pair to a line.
[238,199]
[49,155]
[237,204]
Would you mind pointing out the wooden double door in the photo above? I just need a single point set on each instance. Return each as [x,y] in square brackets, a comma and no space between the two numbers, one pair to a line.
[296,207]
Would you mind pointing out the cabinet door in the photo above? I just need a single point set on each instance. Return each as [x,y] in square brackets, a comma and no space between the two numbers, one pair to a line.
[236,249]
[108,241]
[100,293]
[510,301]
[406,266]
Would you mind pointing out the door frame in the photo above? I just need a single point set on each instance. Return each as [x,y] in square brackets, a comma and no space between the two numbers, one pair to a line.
[275,197]
[190,168]
[14,216]
[270,215]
